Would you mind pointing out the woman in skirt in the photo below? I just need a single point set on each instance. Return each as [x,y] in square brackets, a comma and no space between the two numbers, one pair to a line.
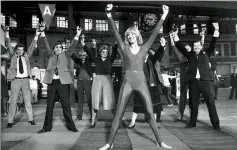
[102,88]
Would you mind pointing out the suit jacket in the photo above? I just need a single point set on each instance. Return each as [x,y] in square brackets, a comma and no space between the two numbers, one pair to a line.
[200,61]
[156,60]
[12,71]
[233,80]
[63,64]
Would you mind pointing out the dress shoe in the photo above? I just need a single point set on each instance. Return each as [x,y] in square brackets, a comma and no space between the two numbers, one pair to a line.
[131,127]
[217,128]
[43,131]
[9,125]
[32,122]
[92,126]
[177,120]
[159,121]
[73,130]
[190,126]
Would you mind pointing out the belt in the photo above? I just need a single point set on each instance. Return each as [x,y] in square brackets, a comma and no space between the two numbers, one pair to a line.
[22,77]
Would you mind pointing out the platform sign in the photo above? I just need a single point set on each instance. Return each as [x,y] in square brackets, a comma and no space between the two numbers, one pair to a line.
[47,11]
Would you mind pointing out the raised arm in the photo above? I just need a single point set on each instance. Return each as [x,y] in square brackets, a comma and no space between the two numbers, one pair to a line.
[179,45]
[75,58]
[157,27]
[74,41]
[115,30]
[212,44]
[86,48]
[46,45]
[7,37]
[160,52]
[177,54]
[33,43]
[114,52]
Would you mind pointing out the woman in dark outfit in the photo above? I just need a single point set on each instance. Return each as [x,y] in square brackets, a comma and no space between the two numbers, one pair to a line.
[134,51]
[102,88]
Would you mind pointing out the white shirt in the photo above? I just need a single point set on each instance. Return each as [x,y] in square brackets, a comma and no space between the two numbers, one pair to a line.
[166,79]
[198,74]
[33,84]
[25,73]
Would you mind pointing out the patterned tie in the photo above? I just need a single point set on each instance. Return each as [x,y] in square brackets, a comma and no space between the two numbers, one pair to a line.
[56,70]
[21,70]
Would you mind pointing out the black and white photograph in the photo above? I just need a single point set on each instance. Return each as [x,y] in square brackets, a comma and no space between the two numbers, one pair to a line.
[119,75]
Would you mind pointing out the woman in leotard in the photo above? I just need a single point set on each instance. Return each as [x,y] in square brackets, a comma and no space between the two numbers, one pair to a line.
[134,52]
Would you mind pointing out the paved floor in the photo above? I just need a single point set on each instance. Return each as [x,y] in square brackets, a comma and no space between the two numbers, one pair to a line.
[203,137]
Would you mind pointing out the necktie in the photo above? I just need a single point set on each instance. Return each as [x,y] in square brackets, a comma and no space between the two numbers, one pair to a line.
[20,66]
[56,70]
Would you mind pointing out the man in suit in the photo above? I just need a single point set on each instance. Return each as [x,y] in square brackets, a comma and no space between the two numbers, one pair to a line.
[200,77]
[233,85]
[58,77]
[183,87]
[84,74]
[19,74]
[216,83]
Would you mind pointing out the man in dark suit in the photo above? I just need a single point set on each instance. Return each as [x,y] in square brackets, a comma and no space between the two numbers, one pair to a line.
[58,77]
[200,77]
[183,87]
[216,83]
[84,74]
[233,85]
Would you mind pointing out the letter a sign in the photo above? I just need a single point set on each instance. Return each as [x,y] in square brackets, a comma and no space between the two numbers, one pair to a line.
[47,11]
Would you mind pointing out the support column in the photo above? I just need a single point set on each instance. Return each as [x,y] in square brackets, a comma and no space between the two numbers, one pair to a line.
[70,37]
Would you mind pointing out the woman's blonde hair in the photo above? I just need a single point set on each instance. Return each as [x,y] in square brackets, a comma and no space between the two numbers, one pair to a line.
[135,31]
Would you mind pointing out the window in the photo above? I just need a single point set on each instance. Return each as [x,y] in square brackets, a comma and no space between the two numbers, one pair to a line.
[3,19]
[161,30]
[35,21]
[223,49]
[13,23]
[217,51]
[117,24]
[62,22]
[195,30]
[88,24]
[183,29]
[101,25]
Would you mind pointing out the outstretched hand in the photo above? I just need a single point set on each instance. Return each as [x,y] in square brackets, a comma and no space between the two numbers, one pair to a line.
[79,31]
[165,9]
[162,41]
[6,28]
[109,7]
[215,25]
[41,26]
[203,33]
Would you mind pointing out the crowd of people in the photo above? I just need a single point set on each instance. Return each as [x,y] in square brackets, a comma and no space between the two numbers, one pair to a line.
[143,80]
